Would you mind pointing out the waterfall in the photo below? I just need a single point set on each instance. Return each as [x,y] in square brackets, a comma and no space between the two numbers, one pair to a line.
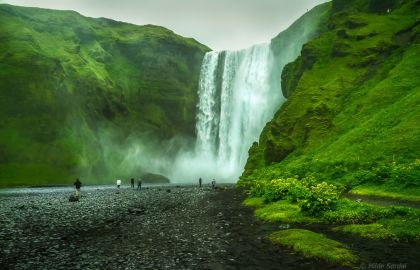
[239,92]
[207,120]
[238,95]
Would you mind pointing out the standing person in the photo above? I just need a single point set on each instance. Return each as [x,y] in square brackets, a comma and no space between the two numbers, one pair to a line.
[78,185]
[118,185]
[132,182]
[213,184]
[199,182]
[139,184]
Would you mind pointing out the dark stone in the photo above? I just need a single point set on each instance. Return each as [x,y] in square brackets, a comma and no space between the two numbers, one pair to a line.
[73,198]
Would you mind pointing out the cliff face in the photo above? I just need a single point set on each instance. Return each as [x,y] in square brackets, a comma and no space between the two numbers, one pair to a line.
[353,96]
[66,79]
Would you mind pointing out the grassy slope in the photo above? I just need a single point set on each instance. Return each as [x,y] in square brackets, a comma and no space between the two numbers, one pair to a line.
[353,112]
[65,78]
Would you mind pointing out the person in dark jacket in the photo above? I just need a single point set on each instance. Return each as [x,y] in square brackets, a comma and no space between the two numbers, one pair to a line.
[132,182]
[78,185]
[139,184]
[200,182]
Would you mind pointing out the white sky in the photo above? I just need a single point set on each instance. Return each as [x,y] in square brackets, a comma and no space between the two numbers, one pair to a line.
[219,24]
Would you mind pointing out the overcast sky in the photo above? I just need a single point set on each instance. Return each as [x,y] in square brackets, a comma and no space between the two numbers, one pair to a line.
[219,24]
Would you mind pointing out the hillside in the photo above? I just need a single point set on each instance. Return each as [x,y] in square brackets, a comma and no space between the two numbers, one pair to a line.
[70,86]
[352,112]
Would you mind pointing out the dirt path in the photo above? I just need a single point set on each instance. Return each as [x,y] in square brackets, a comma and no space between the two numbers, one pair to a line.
[381,201]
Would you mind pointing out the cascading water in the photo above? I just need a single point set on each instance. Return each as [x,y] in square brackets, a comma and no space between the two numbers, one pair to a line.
[207,119]
[237,96]
[239,91]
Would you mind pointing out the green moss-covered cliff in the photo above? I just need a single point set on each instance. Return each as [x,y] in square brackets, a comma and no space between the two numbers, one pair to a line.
[353,108]
[65,80]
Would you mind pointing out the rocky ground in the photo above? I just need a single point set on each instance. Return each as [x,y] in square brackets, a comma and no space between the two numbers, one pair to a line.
[156,228]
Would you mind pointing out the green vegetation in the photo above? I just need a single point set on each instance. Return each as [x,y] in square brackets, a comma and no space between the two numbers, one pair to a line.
[352,114]
[74,90]
[254,202]
[401,226]
[373,231]
[399,223]
[349,125]
[315,245]
[305,201]
[388,192]
[312,197]
[283,211]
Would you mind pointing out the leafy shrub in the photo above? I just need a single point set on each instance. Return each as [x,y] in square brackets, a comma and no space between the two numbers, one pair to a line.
[350,212]
[321,197]
[257,189]
[298,191]
[278,189]
[406,174]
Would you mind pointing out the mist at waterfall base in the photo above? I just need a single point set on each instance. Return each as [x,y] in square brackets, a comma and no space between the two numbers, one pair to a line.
[239,92]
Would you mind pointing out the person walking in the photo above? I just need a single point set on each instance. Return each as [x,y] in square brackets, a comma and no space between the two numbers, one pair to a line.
[139,184]
[199,182]
[118,185]
[213,184]
[78,185]
[132,182]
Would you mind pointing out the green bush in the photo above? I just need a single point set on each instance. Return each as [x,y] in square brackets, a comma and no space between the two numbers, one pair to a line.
[278,189]
[298,191]
[257,189]
[406,174]
[312,197]
[350,212]
[321,197]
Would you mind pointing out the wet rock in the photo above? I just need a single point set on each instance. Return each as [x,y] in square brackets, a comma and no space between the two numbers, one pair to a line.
[73,198]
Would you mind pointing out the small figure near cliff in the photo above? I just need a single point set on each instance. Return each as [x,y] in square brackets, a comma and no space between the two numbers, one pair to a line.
[78,185]
[118,185]
[213,184]
[199,182]
[139,184]
[132,182]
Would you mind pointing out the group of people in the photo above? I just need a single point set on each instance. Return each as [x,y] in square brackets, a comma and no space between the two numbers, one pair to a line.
[78,185]
[213,183]
[139,183]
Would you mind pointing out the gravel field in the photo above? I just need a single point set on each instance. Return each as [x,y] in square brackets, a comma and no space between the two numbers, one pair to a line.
[155,228]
